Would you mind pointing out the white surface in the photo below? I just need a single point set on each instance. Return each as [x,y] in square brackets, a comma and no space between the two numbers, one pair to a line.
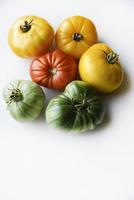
[39,163]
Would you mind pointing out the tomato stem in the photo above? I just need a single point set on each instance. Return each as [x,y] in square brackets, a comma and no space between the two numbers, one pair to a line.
[81,104]
[15,96]
[53,71]
[112,57]
[26,26]
[77,36]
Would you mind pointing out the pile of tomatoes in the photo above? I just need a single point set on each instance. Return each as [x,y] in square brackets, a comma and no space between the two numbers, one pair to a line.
[79,65]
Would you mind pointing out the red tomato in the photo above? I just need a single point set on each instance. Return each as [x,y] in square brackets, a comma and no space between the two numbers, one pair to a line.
[53,70]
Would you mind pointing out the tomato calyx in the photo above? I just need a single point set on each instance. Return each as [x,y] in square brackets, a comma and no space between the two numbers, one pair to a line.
[77,37]
[82,104]
[15,96]
[26,26]
[53,70]
[112,57]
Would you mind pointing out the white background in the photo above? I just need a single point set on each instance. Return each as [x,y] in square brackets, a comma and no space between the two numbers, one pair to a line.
[39,163]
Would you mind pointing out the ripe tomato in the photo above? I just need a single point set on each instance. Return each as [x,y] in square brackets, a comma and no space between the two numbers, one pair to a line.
[30,36]
[78,108]
[99,67]
[53,70]
[75,35]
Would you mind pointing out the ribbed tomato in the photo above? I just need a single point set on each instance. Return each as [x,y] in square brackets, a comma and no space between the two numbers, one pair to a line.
[53,70]
[99,66]
[30,36]
[75,35]
[78,108]
[24,99]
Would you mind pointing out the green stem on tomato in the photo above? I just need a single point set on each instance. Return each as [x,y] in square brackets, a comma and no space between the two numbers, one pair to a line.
[26,26]
[112,57]
[15,96]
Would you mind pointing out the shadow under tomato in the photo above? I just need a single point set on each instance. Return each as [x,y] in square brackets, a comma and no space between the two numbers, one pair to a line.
[49,94]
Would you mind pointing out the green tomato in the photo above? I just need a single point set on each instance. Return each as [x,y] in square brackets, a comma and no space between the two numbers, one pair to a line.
[78,108]
[24,99]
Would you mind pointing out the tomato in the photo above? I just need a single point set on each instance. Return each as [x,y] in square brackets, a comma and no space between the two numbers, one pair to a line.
[75,35]
[30,36]
[53,70]
[78,108]
[24,99]
[99,67]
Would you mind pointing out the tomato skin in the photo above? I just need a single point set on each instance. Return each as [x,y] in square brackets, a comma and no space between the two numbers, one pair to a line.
[78,108]
[75,46]
[32,41]
[95,69]
[24,99]
[53,70]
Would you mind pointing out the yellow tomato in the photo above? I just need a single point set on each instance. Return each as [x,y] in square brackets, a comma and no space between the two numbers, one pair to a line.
[99,67]
[75,35]
[30,36]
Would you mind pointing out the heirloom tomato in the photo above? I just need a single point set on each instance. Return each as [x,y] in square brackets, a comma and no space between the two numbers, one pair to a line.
[24,99]
[53,70]
[30,36]
[75,35]
[99,66]
[78,108]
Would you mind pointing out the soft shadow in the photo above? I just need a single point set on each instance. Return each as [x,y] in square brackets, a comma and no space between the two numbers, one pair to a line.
[53,46]
[41,117]
[49,94]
